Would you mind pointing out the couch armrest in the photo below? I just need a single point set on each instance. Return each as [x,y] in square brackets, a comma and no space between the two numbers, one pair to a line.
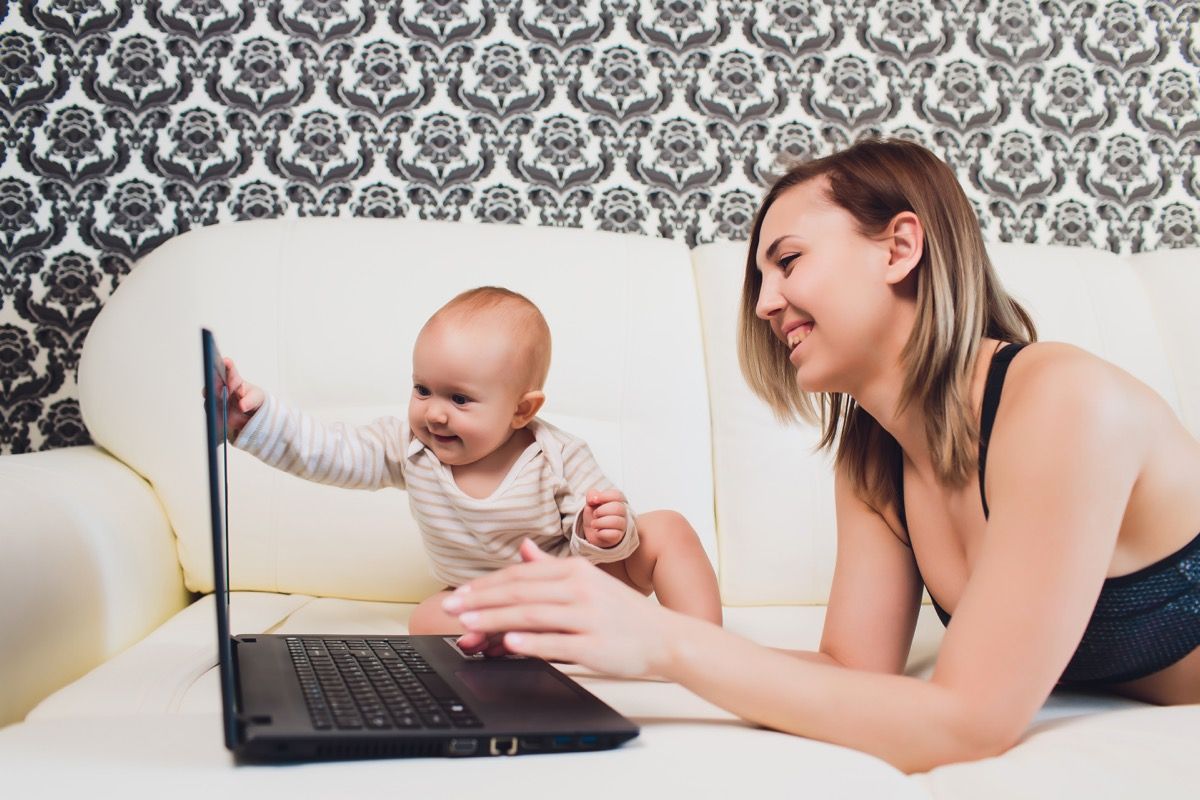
[87,567]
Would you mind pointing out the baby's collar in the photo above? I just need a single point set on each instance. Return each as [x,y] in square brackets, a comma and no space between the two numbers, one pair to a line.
[415,445]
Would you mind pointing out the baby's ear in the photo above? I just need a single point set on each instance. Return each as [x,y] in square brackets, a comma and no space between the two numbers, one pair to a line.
[527,408]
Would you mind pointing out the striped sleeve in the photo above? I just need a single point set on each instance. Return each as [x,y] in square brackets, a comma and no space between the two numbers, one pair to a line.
[355,457]
[582,474]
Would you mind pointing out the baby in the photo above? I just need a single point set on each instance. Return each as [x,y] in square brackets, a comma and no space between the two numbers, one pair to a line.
[482,471]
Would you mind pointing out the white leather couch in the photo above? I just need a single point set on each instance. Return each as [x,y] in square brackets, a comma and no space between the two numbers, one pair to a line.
[107,666]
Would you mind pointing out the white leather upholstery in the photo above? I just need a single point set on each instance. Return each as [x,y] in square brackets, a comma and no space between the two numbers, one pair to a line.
[324,312]
[1172,282]
[88,568]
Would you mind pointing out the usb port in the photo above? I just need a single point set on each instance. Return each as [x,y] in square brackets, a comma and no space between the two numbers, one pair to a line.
[562,742]
[589,741]
[463,747]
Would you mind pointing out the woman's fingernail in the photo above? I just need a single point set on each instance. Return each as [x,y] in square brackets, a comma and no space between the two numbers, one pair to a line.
[514,639]
[452,603]
[469,618]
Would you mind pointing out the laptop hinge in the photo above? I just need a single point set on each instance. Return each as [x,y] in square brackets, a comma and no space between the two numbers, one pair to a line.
[254,719]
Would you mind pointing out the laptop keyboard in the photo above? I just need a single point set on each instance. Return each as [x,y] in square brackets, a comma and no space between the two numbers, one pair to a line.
[374,684]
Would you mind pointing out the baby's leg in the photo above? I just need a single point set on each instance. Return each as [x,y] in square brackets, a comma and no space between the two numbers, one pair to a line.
[428,617]
[671,562]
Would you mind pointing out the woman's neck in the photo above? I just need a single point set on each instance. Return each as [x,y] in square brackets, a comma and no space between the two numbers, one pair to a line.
[880,397]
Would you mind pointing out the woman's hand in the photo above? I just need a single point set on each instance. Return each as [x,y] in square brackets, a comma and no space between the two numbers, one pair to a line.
[563,609]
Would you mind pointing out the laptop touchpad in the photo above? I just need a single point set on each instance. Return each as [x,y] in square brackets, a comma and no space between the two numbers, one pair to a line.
[528,689]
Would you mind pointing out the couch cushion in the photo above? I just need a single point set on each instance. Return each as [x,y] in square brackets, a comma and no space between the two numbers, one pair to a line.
[1137,751]
[1172,281]
[1092,299]
[153,711]
[774,494]
[182,756]
[172,670]
[324,313]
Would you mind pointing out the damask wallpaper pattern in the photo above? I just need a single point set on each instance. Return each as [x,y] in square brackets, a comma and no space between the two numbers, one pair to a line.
[126,123]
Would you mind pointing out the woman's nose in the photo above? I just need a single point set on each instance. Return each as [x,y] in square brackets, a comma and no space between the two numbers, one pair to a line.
[770,301]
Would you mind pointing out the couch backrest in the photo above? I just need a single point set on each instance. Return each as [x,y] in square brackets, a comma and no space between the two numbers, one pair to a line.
[774,495]
[324,312]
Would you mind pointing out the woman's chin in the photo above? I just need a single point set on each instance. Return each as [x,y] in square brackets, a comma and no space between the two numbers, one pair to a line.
[809,380]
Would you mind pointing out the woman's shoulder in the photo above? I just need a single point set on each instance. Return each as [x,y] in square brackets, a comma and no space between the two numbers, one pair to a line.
[1060,378]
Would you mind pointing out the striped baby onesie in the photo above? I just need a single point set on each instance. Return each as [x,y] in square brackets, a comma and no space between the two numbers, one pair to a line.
[541,498]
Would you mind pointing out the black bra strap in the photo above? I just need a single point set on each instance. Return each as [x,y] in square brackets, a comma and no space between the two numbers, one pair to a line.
[991,401]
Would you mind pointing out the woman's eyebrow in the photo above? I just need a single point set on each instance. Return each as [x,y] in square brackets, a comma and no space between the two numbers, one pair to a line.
[773,250]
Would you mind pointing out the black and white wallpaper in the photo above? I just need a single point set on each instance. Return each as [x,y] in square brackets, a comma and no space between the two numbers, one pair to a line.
[125,123]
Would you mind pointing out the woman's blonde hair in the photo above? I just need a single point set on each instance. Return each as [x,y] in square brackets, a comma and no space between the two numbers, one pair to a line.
[959,301]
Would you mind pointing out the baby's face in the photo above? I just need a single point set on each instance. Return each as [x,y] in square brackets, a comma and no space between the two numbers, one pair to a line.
[466,387]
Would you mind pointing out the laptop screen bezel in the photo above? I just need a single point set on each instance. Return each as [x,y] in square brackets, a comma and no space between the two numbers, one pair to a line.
[216,416]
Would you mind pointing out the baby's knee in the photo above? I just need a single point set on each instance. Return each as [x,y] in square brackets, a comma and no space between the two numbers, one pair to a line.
[429,618]
[665,528]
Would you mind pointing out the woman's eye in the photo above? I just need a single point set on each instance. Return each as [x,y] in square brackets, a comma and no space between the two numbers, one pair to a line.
[421,390]
[785,263]
[459,399]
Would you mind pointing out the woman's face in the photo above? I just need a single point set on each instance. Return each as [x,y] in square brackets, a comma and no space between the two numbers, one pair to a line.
[824,291]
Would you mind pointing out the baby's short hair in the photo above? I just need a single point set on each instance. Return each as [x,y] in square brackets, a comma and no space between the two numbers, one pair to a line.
[525,320]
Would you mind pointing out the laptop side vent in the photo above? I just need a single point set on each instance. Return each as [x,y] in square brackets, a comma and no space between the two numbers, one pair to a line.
[394,749]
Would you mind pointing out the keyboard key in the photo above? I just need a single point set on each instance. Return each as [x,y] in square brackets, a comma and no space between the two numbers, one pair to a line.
[375,684]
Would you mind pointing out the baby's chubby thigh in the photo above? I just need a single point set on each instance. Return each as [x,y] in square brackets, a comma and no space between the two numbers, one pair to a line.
[660,533]
[429,618]
[670,561]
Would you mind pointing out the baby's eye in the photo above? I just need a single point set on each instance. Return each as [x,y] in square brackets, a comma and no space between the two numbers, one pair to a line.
[459,399]
[421,390]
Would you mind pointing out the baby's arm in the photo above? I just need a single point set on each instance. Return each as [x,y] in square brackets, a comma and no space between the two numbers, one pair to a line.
[357,457]
[595,516]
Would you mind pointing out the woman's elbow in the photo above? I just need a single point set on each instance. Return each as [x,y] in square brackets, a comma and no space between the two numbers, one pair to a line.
[970,735]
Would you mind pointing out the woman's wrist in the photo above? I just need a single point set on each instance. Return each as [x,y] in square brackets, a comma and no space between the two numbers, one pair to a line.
[677,639]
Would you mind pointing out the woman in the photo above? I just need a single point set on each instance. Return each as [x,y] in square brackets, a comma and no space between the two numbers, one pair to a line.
[1048,500]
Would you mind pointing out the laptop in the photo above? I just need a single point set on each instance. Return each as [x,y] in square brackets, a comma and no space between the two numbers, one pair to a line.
[306,697]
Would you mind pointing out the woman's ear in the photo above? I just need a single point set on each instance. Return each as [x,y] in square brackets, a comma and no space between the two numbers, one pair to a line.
[527,408]
[907,244]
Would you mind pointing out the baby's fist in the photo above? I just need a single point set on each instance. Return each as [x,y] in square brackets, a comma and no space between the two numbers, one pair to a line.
[604,518]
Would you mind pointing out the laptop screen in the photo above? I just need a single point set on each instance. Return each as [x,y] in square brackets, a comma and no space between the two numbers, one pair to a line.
[216,396]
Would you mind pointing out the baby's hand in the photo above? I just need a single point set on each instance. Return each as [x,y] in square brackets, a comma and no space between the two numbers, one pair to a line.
[604,518]
[244,399]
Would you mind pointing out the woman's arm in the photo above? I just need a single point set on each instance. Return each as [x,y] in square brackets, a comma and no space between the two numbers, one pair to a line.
[1063,459]
[568,610]
[876,591]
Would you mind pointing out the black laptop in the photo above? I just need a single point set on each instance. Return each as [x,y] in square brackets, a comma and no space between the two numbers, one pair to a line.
[309,696]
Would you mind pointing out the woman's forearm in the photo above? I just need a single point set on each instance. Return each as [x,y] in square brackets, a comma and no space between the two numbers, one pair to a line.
[812,656]
[913,724]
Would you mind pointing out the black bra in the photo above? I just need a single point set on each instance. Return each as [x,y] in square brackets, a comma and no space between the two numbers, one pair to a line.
[1143,622]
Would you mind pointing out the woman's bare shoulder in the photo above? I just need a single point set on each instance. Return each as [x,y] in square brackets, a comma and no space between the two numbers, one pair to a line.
[1061,378]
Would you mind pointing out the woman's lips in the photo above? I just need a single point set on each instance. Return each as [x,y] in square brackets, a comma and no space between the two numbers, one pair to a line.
[798,334]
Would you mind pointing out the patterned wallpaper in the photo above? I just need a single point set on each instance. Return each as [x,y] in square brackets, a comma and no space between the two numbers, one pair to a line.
[125,123]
